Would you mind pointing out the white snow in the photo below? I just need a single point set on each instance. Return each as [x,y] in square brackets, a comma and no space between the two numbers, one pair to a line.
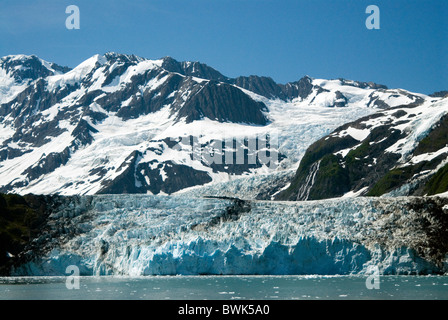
[343,153]
[429,114]
[120,81]
[429,156]
[9,88]
[75,75]
[357,134]
[352,194]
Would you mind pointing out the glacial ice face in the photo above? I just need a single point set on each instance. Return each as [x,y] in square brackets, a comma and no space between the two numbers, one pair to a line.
[167,235]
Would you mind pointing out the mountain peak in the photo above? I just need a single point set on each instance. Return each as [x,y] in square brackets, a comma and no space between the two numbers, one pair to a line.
[121,57]
[29,67]
[192,69]
[361,84]
[18,57]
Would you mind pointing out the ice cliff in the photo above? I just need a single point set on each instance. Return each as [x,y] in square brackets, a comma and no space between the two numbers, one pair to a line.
[169,235]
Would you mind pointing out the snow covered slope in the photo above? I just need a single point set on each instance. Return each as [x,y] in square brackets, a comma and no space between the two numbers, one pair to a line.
[396,151]
[119,124]
[168,235]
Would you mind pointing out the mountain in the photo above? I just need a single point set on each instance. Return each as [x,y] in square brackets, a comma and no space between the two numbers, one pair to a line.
[401,150]
[120,123]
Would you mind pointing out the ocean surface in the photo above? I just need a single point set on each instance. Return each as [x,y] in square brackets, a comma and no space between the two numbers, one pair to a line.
[224,288]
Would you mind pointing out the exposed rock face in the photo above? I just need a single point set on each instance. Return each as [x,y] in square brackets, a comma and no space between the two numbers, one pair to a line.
[24,221]
[224,103]
[440,94]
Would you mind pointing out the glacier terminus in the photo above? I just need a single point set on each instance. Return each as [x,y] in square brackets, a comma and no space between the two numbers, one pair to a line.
[138,235]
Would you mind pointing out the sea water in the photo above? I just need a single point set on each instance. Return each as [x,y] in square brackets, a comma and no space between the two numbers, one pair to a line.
[224,288]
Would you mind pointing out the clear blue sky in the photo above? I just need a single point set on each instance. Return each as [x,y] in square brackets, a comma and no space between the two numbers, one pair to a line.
[283,39]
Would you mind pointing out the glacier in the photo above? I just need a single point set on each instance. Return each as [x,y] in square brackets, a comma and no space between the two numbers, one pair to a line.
[138,235]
